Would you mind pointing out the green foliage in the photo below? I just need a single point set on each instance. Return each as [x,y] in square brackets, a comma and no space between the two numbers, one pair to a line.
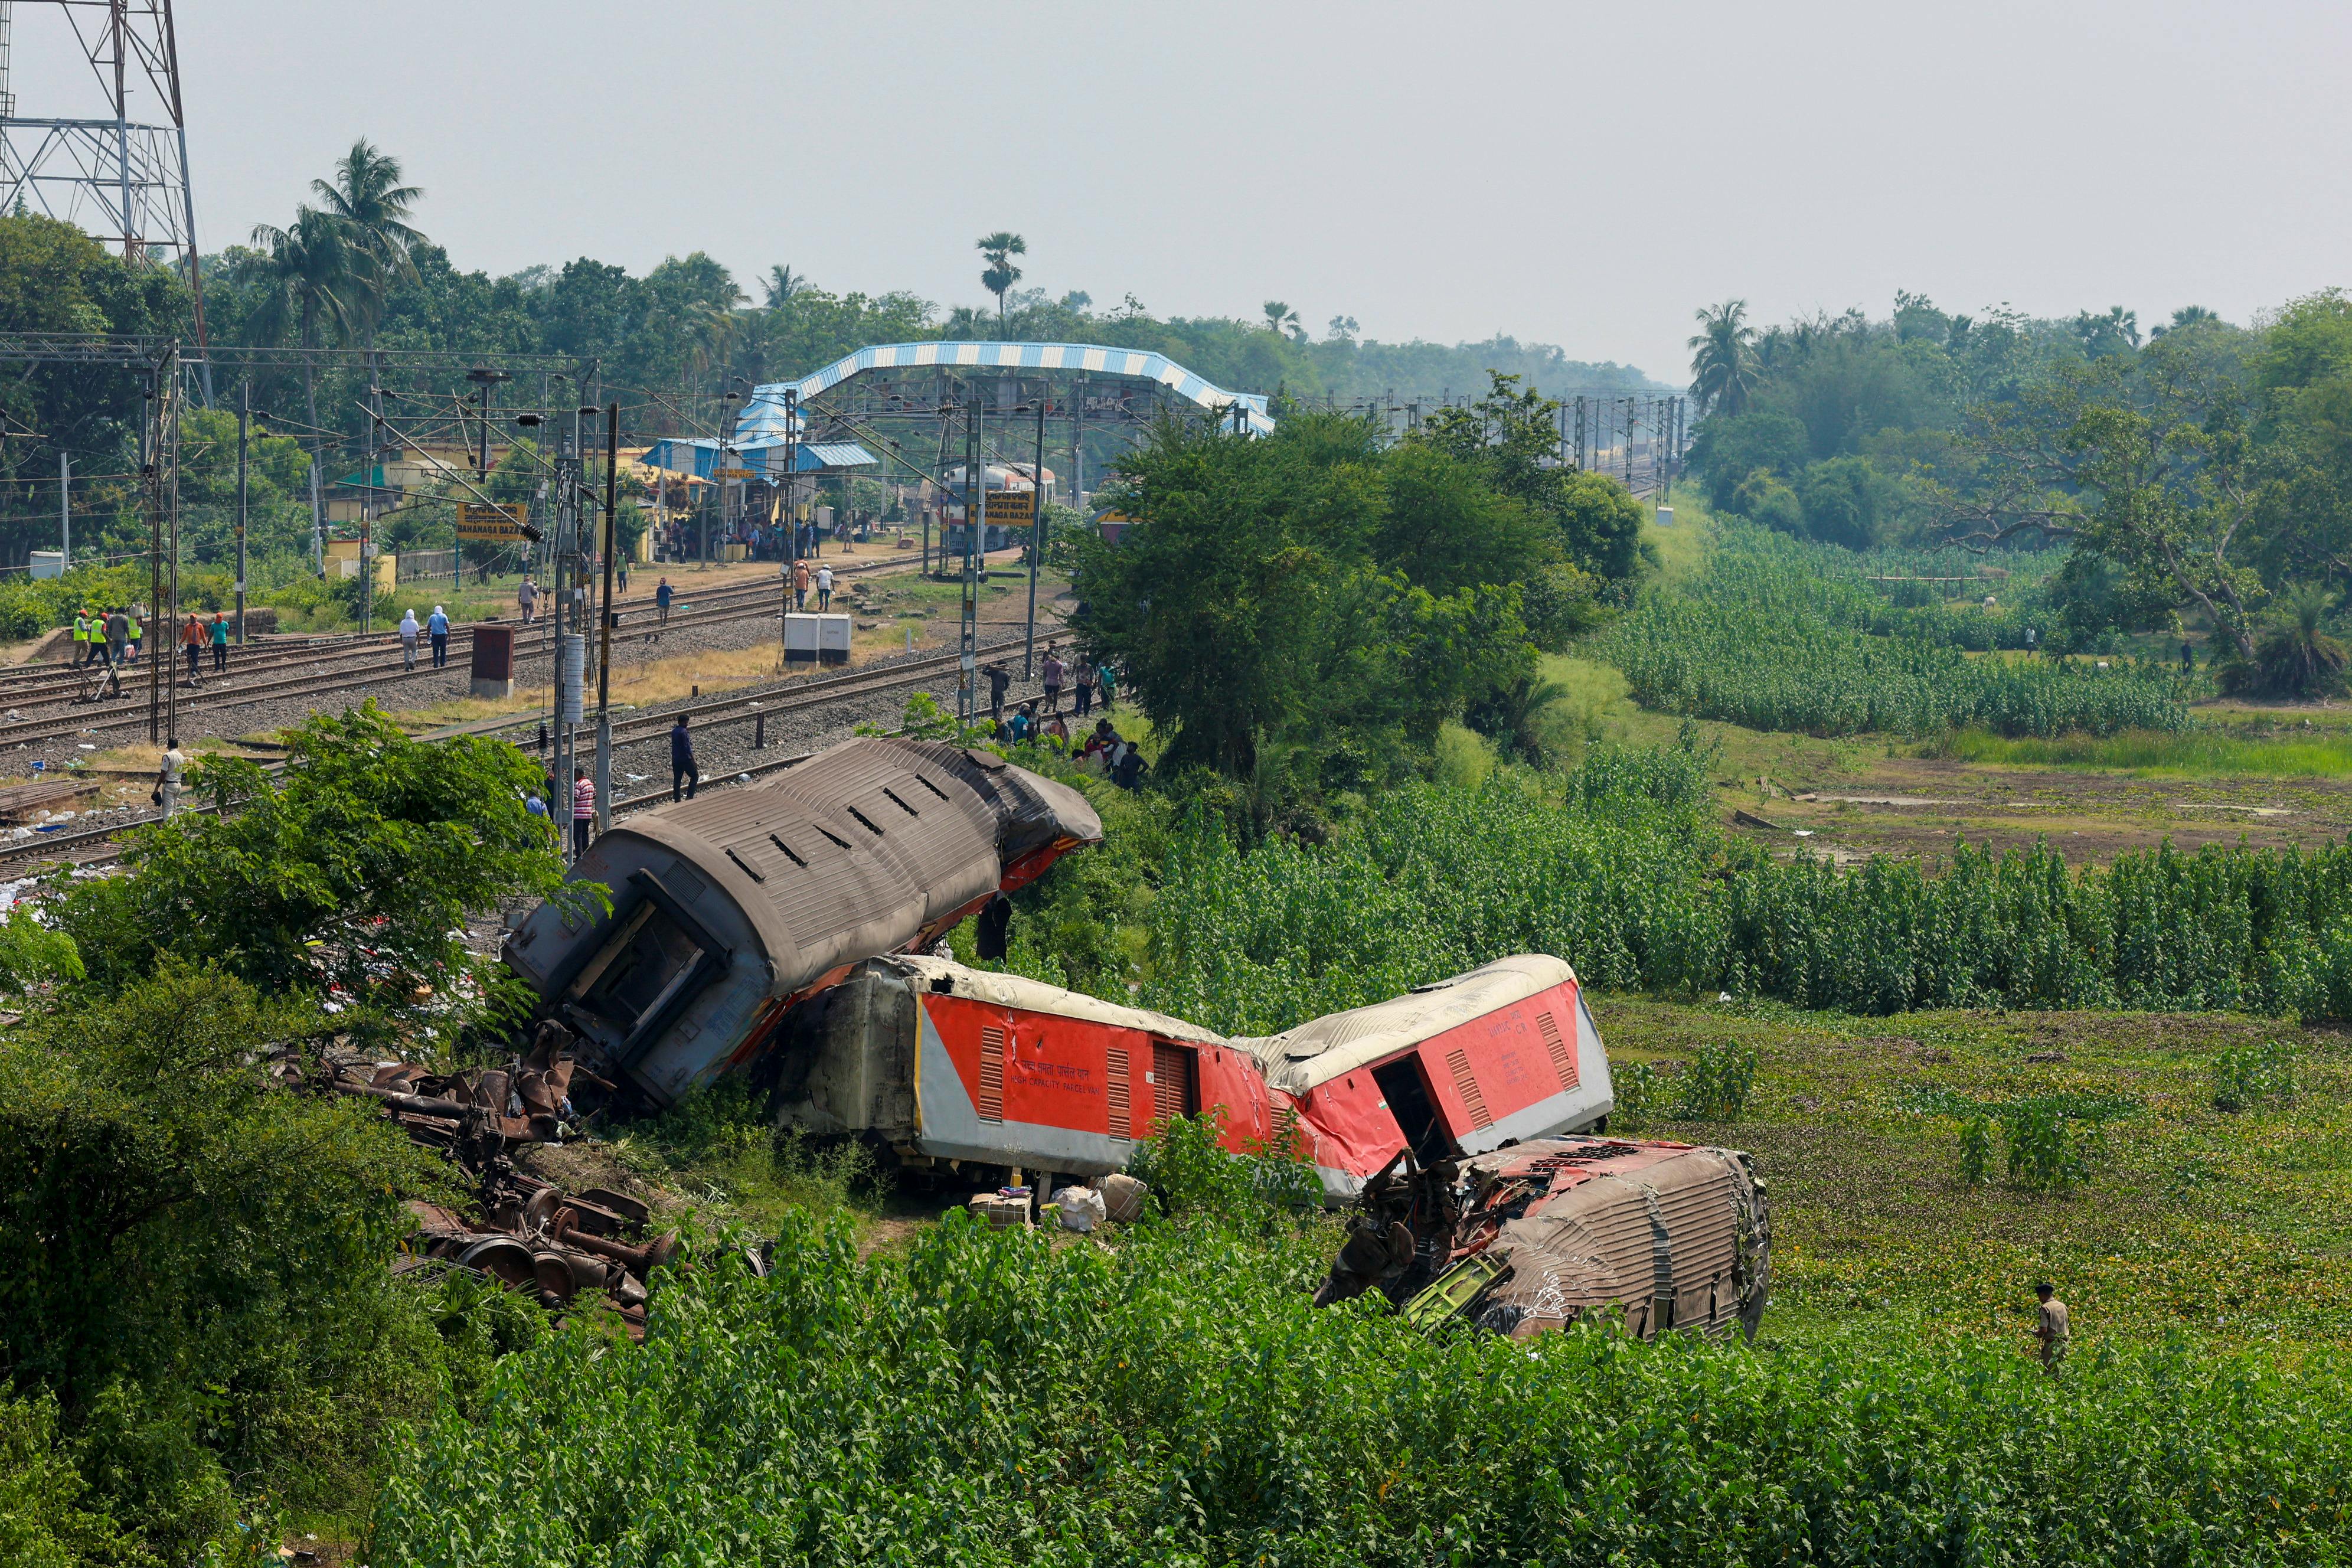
[720,1138]
[44,1523]
[1762,637]
[1626,874]
[1193,1178]
[1281,587]
[194,1260]
[2253,1076]
[2048,1151]
[1975,1149]
[358,871]
[33,956]
[1717,1085]
[991,1398]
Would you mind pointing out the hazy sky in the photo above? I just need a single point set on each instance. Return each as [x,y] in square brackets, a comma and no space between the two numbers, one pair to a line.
[1578,174]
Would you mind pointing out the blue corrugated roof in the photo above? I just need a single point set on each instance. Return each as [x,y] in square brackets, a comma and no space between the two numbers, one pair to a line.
[699,457]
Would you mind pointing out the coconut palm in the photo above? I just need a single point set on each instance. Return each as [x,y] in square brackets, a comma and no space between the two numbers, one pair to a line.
[1280,318]
[311,283]
[782,283]
[1723,358]
[367,200]
[999,248]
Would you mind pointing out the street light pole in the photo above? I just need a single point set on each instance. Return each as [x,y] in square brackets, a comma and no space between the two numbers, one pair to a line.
[604,642]
[1036,538]
[244,419]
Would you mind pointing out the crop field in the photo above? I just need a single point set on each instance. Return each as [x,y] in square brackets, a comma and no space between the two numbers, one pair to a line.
[1766,635]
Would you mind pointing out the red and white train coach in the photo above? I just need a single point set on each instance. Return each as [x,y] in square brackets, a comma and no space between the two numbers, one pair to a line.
[1503,1054]
[949,1065]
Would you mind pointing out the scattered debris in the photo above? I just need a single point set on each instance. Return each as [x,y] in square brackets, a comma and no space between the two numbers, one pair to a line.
[1749,819]
[538,1238]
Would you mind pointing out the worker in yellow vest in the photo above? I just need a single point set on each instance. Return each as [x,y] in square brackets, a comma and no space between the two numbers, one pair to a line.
[81,637]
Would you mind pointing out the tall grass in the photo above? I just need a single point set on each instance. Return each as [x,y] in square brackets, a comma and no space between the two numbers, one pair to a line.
[994,1399]
[1775,635]
[1629,878]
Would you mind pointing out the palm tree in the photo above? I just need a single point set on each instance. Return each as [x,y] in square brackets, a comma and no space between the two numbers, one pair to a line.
[1723,358]
[367,201]
[1280,318]
[310,279]
[782,284]
[999,248]
[2297,658]
[710,330]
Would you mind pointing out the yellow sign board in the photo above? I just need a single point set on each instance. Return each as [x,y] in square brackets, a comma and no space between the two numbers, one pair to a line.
[734,473]
[484,523]
[1011,508]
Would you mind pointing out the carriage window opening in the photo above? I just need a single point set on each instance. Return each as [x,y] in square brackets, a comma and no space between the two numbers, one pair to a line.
[863,821]
[901,804]
[788,851]
[930,785]
[1409,1100]
[748,869]
[837,843]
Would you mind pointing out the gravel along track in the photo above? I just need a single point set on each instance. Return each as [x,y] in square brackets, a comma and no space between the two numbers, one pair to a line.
[726,620]
[723,740]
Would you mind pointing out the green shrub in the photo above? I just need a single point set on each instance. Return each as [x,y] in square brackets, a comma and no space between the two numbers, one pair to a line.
[2253,1075]
[1975,1149]
[2048,1151]
[1716,1086]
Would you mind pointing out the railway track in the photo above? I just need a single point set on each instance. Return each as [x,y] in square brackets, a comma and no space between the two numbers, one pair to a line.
[359,661]
[90,846]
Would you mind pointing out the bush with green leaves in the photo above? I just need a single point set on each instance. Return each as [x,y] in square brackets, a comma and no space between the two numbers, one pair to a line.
[356,872]
[1173,1396]
[1716,1086]
[193,1261]
[2250,1076]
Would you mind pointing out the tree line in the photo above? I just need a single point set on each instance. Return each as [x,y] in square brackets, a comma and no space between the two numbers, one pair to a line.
[2198,477]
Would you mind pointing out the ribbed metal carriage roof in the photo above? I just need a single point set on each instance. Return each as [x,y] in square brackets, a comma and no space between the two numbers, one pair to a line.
[857,850]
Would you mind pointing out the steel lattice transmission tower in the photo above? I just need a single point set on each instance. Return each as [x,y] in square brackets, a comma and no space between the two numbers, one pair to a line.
[123,181]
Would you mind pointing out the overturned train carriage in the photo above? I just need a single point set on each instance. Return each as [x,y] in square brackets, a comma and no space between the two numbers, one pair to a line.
[1670,1236]
[729,908]
[945,1064]
[1504,1052]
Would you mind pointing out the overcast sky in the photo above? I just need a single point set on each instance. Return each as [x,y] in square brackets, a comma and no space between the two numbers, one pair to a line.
[1570,173]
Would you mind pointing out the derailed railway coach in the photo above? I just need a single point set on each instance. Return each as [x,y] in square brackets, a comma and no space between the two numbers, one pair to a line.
[1503,1054]
[729,910]
[1669,1238]
[948,1066]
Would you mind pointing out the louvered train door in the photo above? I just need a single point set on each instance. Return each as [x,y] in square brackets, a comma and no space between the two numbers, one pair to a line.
[992,1045]
[1174,1090]
[1117,1076]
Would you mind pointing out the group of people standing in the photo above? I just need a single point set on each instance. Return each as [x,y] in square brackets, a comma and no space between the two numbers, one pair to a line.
[1082,677]
[802,579]
[116,636]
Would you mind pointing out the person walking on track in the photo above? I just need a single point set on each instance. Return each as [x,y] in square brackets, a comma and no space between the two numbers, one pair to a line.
[799,584]
[528,597]
[1052,671]
[1082,685]
[220,643]
[684,777]
[662,597]
[824,588]
[437,628]
[408,640]
[192,644]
